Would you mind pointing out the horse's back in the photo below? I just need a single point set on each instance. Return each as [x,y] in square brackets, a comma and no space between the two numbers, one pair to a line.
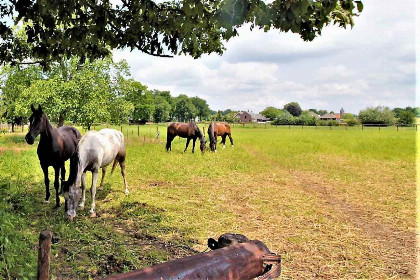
[101,148]
[181,129]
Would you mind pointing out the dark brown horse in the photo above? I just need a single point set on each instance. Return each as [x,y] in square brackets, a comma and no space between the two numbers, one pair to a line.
[219,129]
[54,148]
[185,130]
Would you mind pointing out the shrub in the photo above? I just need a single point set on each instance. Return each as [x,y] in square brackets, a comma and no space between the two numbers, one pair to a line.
[378,115]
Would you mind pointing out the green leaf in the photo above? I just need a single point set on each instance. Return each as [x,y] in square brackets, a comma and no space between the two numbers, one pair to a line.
[359,6]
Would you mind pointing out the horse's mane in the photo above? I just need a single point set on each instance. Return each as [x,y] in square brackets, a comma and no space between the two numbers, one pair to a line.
[211,133]
[198,131]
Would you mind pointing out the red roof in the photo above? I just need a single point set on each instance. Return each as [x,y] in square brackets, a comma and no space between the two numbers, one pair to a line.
[337,116]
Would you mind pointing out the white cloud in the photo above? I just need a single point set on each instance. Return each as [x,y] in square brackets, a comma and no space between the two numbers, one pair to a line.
[373,64]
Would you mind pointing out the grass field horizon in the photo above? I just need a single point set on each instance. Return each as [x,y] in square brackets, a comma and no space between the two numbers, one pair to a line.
[334,203]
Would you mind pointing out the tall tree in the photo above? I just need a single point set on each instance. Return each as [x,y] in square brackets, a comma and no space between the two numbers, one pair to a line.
[293,108]
[270,112]
[162,109]
[203,110]
[184,108]
[13,81]
[57,29]
[377,115]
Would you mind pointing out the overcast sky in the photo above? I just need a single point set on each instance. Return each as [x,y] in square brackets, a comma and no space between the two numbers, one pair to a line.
[372,64]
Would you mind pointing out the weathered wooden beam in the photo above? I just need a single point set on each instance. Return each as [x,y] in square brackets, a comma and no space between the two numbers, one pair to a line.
[237,262]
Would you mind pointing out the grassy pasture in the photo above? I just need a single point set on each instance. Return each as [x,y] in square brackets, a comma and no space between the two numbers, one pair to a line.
[334,203]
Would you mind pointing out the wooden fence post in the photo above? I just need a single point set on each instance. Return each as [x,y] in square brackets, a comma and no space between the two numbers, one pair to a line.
[289,126]
[44,250]
[362,127]
[144,139]
[397,127]
[302,126]
[121,129]
[138,130]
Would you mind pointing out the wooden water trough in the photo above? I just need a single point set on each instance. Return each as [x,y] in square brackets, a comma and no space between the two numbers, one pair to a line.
[242,261]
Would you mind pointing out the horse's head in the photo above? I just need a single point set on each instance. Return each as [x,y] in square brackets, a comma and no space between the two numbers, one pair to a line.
[72,195]
[36,124]
[203,145]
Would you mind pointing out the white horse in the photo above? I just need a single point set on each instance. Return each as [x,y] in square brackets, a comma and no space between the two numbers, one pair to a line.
[95,150]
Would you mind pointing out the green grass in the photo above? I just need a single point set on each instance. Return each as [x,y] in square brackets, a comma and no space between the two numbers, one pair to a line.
[311,195]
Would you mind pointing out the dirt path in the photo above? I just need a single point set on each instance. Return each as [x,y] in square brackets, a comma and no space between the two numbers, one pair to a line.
[396,245]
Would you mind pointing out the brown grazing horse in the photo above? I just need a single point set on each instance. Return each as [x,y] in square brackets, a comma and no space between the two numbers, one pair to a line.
[185,130]
[219,129]
[54,148]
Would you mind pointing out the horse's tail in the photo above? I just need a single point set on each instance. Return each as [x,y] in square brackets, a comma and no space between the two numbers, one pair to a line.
[114,165]
[211,132]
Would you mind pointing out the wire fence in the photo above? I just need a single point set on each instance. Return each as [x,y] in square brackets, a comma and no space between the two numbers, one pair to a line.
[154,130]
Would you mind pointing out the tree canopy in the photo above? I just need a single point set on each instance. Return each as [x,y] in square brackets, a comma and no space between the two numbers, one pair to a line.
[57,30]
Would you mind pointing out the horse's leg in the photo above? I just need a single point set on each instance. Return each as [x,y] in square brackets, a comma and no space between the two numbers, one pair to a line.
[57,186]
[101,185]
[224,141]
[121,160]
[63,176]
[169,139]
[195,138]
[47,183]
[215,143]
[82,203]
[93,192]
[231,139]
[186,146]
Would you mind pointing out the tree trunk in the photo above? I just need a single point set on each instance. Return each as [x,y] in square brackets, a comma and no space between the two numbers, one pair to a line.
[60,120]
[13,126]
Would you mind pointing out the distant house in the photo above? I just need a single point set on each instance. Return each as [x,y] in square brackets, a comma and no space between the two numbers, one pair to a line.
[314,114]
[337,116]
[247,117]
[327,117]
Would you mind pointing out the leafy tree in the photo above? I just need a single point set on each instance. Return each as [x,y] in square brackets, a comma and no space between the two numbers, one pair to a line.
[406,117]
[350,119]
[13,81]
[307,119]
[322,112]
[203,110]
[184,108]
[56,30]
[293,108]
[270,112]
[378,115]
[141,98]
[284,117]
[162,109]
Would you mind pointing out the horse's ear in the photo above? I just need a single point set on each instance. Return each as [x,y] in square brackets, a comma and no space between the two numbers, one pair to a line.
[33,108]
[213,244]
[39,108]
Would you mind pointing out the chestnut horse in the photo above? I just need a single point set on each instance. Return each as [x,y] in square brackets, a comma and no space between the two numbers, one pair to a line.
[185,130]
[54,148]
[219,129]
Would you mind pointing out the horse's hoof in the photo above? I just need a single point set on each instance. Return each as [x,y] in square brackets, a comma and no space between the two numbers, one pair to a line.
[81,206]
[57,206]
[46,201]
[100,188]
[224,147]
[127,192]
[92,214]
